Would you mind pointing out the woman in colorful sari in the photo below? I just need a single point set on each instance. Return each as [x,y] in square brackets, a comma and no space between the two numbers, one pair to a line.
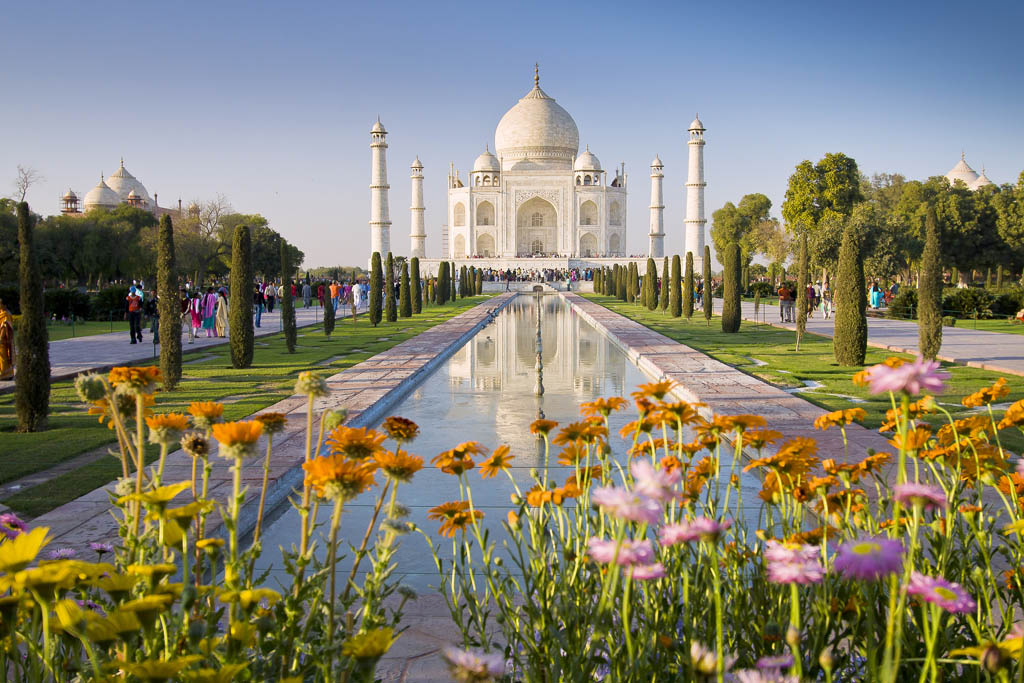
[6,343]
[222,313]
[210,312]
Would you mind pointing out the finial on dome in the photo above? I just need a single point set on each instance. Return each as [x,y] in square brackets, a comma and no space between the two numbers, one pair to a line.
[961,155]
[487,147]
[536,74]
[122,162]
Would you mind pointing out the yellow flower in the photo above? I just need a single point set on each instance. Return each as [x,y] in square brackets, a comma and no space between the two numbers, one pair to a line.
[114,626]
[149,607]
[370,645]
[987,395]
[152,571]
[247,598]
[541,427]
[399,466]
[18,552]
[337,477]
[167,428]
[156,670]
[237,439]
[655,390]
[498,462]
[158,497]
[273,423]
[226,674]
[840,417]
[205,413]
[401,429]
[355,442]
[603,406]
[46,578]
[117,586]
[210,545]
[135,381]
[1014,415]
[71,616]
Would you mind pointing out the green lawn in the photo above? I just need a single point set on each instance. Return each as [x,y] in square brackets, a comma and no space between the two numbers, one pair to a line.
[814,363]
[207,376]
[58,330]
[1010,326]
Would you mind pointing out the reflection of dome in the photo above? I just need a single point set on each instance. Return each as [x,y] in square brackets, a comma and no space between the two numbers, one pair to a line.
[124,183]
[962,172]
[537,128]
[101,196]
[486,162]
[587,162]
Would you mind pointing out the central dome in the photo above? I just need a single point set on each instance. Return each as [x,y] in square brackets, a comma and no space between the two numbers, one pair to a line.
[537,129]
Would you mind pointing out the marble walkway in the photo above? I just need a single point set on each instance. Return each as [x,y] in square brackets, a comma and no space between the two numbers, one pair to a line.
[995,351]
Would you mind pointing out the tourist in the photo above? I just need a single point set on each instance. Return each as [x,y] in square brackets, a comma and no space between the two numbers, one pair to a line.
[876,295]
[811,301]
[133,306]
[785,304]
[320,294]
[185,314]
[222,313]
[6,343]
[209,312]
[307,294]
[827,302]
[196,312]
[334,288]
[257,305]
[268,295]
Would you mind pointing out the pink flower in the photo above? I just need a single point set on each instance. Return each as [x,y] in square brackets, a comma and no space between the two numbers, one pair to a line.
[946,594]
[62,554]
[869,558]
[646,572]
[928,497]
[625,504]
[768,676]
[701,528]
[775,662]
[11,526]
[469,665]
[793,563]
[630,553]
[911,378]
[100,548]
[653,483]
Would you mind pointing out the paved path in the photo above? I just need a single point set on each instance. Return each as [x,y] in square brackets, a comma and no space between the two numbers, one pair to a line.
[996,351]
[99,352]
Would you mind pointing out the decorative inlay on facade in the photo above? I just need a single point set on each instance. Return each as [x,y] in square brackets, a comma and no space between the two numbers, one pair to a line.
[553,196]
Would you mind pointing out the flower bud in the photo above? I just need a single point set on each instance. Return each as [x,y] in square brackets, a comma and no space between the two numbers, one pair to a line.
[90,387]
[792,637]
[334,418]
[825,659]
[310,384]
[991,659]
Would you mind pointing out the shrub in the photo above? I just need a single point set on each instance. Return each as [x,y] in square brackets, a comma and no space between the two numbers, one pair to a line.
[761,288]
[329,317]
[62,304]
[479,281]
[675,299]
[929,325]
[32,346]
[903,306]
[850,338]
[688,287]
[169,302]
[390,310]
[416,291]
[291,333]
[404,303]
[1008,302]
[240,323]
[968,302]
[731,295]
[376,284]
[650,293]
[663,291]
[949,321]
[708,298]
[108,303]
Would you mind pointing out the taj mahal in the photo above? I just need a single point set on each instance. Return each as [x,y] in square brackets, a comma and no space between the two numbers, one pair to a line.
[536,201]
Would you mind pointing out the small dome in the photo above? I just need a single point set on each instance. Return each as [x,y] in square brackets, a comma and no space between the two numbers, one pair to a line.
[962,172]
[101,196]
[133,195]
[417,164]
[696,124]
[587,162]
[486,162]
[657,162]
[378,127]
[70,195]
[982,180]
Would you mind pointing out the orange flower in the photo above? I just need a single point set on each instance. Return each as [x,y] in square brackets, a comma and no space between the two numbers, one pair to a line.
[656,390]
[670,463]
[691,448]
[273,423]
[355,442]
[644,426]
[698,476]
[125,405]
[337,477]
[540,427]
[840,418]
[135,380]
[821,485]
[205,413]
[874,463]
[603,406]
[399,466]
[761,437]
[401,429]
[862,377]
[986,395]
[572,454]
[454,516]
[742,423]
[498,462]
[813,536]
[458,460]
[237,439]
[650,448]
[680,412]
[167,428]
[537,496]
[579,431]
[584,477]
[1014,416]
[794,458]
[913,440]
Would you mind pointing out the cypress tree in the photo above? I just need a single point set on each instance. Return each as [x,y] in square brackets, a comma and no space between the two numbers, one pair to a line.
[287,303]
[453,273]
[745,280]
[32,364]
[376,284]
[240,330]
[708,293]
[630,283]
[675,298]
[801,291]
[731,289]
[404,299]
[620,283]
[850,339]
[169,305]
[329,320]
[441,283]
[390,312]
[636,281]
[415,290]
[999,276]
[479,287]
[465,283]
[664,289]
[929,293]
[651,285]
[688,287]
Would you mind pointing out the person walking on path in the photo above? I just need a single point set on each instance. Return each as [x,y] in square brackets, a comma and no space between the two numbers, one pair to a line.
[826,301]
[209,312]
[785,303]
[268,295]
[222,314]
[257,305]
[334,295]
[133,305]
[186,315]
[6,343]
[307,294]
[320,294]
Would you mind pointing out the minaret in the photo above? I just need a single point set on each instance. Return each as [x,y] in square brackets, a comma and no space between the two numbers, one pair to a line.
[380,222]
[417,233]
[656,246]
[695,185]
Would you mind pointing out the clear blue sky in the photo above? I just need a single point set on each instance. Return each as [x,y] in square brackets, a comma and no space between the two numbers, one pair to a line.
[271,103]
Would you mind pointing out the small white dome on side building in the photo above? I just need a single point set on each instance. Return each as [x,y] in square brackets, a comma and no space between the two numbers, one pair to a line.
[101,197]
[486,162]
[962,172]
[587,161]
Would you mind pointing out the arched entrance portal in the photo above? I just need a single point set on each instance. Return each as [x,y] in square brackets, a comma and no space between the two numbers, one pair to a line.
[588,245]
[536,228]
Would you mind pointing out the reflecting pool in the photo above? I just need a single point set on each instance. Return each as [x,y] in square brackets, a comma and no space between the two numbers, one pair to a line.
[486,392]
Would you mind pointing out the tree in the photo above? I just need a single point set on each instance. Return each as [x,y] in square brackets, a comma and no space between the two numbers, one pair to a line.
[801,292]
[650,294]
[417,293]
[632,283]
[850,338]
[390,314]
[404,302]
[740,224]
[240,338]
[169,306]
[32,365]
[329,319]
[929,291]
[731,289]
[479,286]
[287,303]
[664,291]
[376,284]
[688,287]
[708,297]
[27,177]
[675,303]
